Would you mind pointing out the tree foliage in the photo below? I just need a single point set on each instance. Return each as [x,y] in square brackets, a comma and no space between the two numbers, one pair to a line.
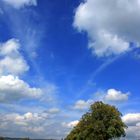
[101,122]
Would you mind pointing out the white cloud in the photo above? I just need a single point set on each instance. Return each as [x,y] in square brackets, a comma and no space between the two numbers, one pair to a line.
[70,124]
[73,123]
[12,65]
[21,3]
[108,44]
[11,61]
[82,105]
[133,122]
[111,95]
[40,124]
[115,95]
[23,123]
[24,119]
[35,125]
[13,89]
[131,118]
[110,24]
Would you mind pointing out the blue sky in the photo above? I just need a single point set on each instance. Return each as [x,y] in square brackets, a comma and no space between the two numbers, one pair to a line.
[56,58]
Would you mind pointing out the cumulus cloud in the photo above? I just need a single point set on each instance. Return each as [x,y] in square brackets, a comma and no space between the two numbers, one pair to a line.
[131,118]
[70,124]
[35,125]
[111,95]
[82,105]
[13,89]
[21,3]
[110,24]
[133,122]
[11,61]
[24,119]
[12,66]
[23,123]
[116,96]
[41,124]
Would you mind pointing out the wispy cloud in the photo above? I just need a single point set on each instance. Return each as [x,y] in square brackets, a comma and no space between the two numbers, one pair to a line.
[28,32]
[20,3]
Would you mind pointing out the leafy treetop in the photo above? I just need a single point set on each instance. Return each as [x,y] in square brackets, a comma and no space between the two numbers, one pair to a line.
[101,122]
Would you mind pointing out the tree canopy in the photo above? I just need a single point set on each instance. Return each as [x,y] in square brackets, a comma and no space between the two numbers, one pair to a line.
[101,122]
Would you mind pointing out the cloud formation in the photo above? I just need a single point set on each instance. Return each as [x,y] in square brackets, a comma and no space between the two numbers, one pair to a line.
[26,123]
[116,96]
[11,60]
[37,125]
[111,25]
[12,65]
[14,89]
[133,122]
[70,124]
[82,105]
[111,95]
[21,3]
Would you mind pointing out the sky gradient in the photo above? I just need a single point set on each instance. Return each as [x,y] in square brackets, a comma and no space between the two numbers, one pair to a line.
[56,58]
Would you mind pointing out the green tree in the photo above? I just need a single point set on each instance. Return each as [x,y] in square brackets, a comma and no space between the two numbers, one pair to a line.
[101,122]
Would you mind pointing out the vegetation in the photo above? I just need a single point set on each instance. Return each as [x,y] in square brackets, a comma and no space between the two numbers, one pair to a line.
[101,122]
